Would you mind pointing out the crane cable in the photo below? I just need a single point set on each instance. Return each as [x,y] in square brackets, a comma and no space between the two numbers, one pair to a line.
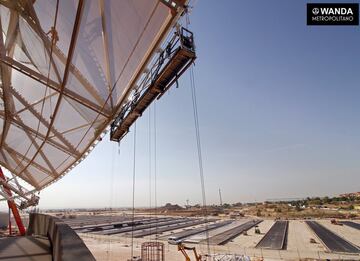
[150,169]
[113,162]
[155,174]
[133,195]
[198,144]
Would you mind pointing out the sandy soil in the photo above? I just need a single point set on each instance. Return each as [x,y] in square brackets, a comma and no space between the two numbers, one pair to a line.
[298,247]
[350,234]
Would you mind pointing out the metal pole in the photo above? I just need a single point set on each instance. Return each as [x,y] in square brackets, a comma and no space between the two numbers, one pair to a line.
[13,207]
[221,202]
[9,222]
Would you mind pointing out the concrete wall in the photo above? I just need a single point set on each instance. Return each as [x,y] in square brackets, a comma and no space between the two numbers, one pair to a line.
[66,244]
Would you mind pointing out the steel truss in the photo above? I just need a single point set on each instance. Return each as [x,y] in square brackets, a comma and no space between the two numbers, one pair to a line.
[23,197]
[39,168]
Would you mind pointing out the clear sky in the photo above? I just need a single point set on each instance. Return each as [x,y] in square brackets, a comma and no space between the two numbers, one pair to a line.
[278,108]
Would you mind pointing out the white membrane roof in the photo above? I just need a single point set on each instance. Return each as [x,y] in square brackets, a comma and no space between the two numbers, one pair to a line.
[56,100]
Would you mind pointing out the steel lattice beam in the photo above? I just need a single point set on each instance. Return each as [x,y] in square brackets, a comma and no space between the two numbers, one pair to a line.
[27,160]
[45,123]
[6,73]
[34,23]
[54,86]
[27,176]
[74,35]
[13,207]
[21,125]
[106,50]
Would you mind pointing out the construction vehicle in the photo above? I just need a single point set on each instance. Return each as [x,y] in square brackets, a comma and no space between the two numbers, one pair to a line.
[335,222]
[182,248]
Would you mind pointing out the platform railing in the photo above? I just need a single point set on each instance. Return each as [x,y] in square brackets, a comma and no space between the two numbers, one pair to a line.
[171,62]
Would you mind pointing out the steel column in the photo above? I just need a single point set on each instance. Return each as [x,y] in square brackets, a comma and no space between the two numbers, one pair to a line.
[13,208]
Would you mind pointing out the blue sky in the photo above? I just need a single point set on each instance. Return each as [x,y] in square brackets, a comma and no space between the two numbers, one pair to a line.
[279,114]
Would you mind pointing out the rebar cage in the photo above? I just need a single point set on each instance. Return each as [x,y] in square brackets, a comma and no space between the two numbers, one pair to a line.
[152,251]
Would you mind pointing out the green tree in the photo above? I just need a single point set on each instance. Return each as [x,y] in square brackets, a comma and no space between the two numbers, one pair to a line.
[258,213]
[327,200]
[226,205]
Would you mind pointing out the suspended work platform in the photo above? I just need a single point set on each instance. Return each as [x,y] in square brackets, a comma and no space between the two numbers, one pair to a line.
[170,64]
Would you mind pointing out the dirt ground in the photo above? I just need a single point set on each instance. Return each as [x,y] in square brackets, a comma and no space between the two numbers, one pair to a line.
[298,246]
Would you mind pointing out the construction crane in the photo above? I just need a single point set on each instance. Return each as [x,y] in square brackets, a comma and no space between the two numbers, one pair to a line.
[182,248]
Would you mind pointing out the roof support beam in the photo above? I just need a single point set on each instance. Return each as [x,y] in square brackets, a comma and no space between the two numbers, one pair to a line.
[31,17]
[45,123]
[34,164]
[26,174]
[6,72]
[36,103]
[24,9]
[54,85]
[42,154]
[28,178]
[105,37]
[19,123]
[74,36]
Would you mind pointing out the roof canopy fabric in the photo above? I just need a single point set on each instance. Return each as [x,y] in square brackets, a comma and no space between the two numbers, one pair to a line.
[66,67]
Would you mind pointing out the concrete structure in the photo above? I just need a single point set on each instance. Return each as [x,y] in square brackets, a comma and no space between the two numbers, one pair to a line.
[299,245]
[47,238]
[276,237]
[4,219]
[25,248]
[331,240]
[226,236]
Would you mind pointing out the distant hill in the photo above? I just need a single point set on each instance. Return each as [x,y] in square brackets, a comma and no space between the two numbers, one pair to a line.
[171,207]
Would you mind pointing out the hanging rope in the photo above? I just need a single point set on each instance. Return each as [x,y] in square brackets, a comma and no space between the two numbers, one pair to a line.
[150,174]
[133,195]
[112,176]
[109,246]
[198,145]
[198,142]
[155,173]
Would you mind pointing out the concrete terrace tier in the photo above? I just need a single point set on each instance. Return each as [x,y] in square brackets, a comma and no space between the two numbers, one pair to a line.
[48,238]
[25,248]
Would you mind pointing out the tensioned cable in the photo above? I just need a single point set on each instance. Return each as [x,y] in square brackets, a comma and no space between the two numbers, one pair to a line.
[198,144]
[133,194]
[46,87]
[150,170]
[155,173]
[112,175]
[112,193]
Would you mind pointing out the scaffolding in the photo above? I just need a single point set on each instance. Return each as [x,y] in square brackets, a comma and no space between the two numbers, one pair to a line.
[169,65]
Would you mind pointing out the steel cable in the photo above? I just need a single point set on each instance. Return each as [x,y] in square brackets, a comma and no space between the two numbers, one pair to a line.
[133,195]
